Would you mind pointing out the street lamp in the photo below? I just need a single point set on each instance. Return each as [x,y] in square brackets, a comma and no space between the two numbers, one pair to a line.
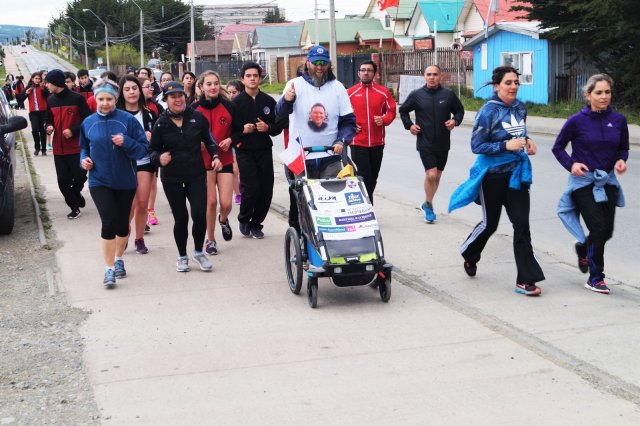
[84,34]
[141,30]
[106,35]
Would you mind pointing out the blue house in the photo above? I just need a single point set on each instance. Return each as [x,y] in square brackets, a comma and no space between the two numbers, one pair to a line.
[550,71]
[519,45]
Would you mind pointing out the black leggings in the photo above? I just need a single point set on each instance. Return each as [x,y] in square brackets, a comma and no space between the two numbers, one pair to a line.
[37,130]
[177,194]
[494,194]
[114,207]
[599,219]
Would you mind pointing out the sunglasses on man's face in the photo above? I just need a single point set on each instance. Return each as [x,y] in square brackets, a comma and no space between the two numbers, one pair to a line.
[319,63]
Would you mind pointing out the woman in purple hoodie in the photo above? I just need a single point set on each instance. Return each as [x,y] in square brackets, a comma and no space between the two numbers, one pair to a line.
[599,139]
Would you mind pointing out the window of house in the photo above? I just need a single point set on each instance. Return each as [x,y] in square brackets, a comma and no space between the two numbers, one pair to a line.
[523,62]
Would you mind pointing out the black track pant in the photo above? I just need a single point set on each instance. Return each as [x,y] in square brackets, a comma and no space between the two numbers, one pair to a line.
[71,178]
[37,130]
[368,160]
[599,219]
[256,178]
[494,194]
[177,194]
[114,206]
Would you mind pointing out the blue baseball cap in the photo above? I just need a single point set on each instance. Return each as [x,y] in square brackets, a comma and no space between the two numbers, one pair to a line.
[318,53]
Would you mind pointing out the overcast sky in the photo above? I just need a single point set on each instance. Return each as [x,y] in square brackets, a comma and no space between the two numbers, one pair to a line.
[38,13]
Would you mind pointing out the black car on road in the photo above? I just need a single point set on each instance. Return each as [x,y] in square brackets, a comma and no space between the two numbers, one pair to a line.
[8,125]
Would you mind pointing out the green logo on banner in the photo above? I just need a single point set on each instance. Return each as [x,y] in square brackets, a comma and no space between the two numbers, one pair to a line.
[323,220]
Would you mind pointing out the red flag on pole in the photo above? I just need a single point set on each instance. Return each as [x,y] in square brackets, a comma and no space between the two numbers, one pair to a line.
[383,4]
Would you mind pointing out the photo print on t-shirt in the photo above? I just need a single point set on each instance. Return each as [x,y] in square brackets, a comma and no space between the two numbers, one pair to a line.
[318,118]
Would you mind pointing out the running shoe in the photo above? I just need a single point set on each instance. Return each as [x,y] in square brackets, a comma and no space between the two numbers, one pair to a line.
[257,233]
[151,217]
[36,152]
[597,286]
[44,153]
[147,228]
[237,199]
[429,215]
[49,147]
[225,227]
[211,247]
[470,268]
[528,289]
[583,262]
[141,248]
[119,267]
[202,260]
[245,229]
[182,265]
[109,278]
[75,213]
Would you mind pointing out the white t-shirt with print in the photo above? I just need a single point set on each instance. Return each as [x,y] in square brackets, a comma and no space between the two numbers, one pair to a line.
[316,112]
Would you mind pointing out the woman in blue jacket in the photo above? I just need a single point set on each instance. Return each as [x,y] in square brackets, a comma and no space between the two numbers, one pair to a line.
[500,177]
[111,141]
[599,139]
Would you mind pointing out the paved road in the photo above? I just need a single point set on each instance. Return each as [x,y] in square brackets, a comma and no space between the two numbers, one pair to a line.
[34,59]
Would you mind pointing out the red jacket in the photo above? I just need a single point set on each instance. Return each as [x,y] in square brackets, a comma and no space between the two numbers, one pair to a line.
[41,95]
[369,100]
[66,110]
[219,114]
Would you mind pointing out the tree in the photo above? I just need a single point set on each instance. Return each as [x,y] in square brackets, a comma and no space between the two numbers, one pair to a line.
[605,32]
[166,23]
[273,16]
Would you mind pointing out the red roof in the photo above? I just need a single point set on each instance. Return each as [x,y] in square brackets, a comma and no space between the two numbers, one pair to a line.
[229,32]
[503,13]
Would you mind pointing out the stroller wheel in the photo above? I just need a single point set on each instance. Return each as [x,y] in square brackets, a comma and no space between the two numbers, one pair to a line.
[312,291]
[293,260]
[384,286]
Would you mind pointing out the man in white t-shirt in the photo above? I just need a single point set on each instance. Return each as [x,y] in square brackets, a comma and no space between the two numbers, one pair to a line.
[320,113]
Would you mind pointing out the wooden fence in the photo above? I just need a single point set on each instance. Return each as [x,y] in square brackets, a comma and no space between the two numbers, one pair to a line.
[457,67]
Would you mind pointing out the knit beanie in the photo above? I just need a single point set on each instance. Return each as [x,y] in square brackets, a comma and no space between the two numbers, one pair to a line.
[55,77]
[105,86]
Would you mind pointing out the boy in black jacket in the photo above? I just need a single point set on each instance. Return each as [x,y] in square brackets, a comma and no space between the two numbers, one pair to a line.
[253,125]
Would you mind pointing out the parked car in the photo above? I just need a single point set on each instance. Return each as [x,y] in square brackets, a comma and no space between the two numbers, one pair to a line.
[8,125]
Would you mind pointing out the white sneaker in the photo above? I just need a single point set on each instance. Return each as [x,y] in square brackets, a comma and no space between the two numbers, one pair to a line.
[203,261]
[182,265]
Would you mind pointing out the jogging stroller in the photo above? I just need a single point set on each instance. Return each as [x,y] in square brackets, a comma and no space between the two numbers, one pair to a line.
[339,236]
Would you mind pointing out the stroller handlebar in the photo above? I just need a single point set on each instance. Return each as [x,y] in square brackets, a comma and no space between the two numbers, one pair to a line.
[325,148]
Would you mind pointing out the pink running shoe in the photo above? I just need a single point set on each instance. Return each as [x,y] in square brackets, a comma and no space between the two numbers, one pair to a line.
[151,217]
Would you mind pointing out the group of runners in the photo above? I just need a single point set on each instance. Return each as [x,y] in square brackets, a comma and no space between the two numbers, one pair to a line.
[122,130]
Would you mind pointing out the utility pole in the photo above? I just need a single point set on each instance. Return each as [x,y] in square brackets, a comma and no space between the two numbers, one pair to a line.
[315,12]
[332,35]
[193,41]
[70,45]
[141,37]
[84,35]
[106,35]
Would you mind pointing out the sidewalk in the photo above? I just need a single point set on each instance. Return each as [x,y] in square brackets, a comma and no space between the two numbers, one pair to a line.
[236,347]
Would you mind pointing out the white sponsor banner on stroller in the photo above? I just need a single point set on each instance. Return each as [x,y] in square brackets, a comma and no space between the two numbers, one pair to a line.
[343,215]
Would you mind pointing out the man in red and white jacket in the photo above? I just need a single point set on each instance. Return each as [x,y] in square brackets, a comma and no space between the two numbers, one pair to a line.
[65,112]
[374,108]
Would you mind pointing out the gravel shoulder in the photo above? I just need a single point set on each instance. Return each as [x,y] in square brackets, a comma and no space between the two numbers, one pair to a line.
[42,378]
